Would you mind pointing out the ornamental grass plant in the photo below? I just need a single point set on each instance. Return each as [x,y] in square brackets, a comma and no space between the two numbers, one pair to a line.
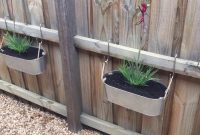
[136,73]
[17,43]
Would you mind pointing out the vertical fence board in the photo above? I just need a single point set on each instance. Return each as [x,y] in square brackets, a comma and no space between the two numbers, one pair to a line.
[187,89]
[71,74]
[54,51]
[37,18]
[196,129]
[129,32]
[4,8]
[30,80]
[16,76]
[102,24]
[84,57]
[4,72]
[129,35]
[178,36]
[162,22]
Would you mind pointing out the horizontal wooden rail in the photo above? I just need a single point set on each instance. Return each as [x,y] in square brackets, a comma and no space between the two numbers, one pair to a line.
[163,62]
[104,126]
[34,98]
[56,107]
[184,67]
[30,30]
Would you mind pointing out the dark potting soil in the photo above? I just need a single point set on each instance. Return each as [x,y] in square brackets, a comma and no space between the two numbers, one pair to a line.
[153,89]
[30,54]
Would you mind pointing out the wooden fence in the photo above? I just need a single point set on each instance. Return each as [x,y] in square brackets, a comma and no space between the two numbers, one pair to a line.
[171,27]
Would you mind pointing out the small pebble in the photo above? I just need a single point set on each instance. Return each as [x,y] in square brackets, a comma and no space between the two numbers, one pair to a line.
[18,118]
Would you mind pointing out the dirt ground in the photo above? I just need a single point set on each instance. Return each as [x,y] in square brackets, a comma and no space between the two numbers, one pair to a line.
[21,118]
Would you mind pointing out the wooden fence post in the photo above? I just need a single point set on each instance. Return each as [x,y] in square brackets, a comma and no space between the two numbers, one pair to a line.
[65,10]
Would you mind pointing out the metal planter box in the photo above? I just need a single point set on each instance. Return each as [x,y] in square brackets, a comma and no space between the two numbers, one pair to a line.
[141,104]
[32,67]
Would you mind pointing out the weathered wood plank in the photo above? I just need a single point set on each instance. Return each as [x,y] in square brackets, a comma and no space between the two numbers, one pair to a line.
[31,81]
[187,89]
[54,52]
[185,67]
[30,30]
[129,32]
[185,106]
[71,74]
[3,8]
[4,72]
[196,129]
[162,24]
[16,76]
[105,126]
[126,33]
[102,29]
[176,45]
[36,9]
[17,10]
[84,57]
[33,97]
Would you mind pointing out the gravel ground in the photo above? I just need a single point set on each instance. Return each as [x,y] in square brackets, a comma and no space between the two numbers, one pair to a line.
[18,118]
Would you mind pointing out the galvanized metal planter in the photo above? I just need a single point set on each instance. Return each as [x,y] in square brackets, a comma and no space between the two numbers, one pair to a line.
[32,67]
[141,104]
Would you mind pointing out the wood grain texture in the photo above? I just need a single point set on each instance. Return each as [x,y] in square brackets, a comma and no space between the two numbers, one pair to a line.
[121,116]
[36,7]
[196,129]
[31,81]
[30,30]
[129,32]
[54,50]
[4,72]
[162,23]
[102,28]
[105,126]
[33,97]
[16,76]
[82,20]
[18,13]
[71,74]
[128,35]
[187,89]
[4,9]
[183,66]
[176,46]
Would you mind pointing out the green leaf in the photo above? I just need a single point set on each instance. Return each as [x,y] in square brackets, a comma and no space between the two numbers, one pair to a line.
[136,73]
[16,42]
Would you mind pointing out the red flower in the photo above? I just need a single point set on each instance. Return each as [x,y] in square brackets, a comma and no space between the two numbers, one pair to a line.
[143,8]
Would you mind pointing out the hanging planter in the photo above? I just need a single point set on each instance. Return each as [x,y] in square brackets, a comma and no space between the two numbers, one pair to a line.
[20,55]
[136,89]
[148,100]
[27,62]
